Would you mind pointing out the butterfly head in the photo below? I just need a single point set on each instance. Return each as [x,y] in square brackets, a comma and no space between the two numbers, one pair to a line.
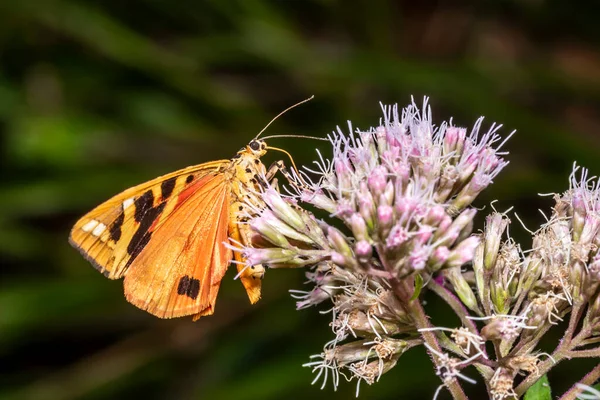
[256,148]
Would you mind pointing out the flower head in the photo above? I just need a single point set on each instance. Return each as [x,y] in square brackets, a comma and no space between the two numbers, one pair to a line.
[398,198]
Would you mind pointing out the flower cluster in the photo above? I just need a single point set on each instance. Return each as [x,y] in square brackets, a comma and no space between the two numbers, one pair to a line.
[523,294]
[398,222]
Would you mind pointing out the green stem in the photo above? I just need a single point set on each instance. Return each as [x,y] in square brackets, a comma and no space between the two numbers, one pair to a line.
[575,316]
[459,309]
[588,380]
[562,351]
[591,353]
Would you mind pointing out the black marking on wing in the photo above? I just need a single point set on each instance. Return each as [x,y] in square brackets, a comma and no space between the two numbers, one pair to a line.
[189,287]
[189,179]
[143,204]
[142,235]
[166,187]
[115,228]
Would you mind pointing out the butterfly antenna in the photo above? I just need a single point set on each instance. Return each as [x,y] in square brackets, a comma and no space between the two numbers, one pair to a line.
[296,136]
[283,112]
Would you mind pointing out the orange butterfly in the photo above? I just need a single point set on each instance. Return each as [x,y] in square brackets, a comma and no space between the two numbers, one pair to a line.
[168,236]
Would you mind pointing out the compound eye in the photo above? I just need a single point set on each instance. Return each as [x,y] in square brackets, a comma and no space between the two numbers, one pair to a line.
[254,145]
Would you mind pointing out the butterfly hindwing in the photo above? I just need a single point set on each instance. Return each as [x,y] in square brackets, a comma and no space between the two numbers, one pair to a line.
[114,233]
[180,270]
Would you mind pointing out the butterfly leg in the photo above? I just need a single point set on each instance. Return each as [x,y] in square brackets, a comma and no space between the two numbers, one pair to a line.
[279,166]
[274,168]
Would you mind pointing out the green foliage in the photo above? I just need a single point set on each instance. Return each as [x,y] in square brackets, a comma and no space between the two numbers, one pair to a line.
[98,96]
[540,390]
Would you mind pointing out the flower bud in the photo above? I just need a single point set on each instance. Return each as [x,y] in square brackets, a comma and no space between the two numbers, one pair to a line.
[499,297]
[313,229]
[397,236]
[385,217]
[590,229]
[405,207]
[256,256]
[464,252]
[339,242]
[462,288]
[338,259]
[359,227]
[531,270]
[350,352]
[505,328]
[446,184]
[579,214]
[264,226]
[380,137]
[377,180]
[387,197]
[417,258]
[454,139]
[282,209]
[366,206]
[467,165]
[365,327]
[452,233]
[319,200]
[494,228]
[401,172]
[438,258]
[363,251]
[344,208]
[435,215]
[593,277]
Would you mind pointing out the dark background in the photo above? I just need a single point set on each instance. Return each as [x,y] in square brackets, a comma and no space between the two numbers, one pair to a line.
[98,96]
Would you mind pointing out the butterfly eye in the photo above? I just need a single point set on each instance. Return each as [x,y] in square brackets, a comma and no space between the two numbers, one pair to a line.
[254,145]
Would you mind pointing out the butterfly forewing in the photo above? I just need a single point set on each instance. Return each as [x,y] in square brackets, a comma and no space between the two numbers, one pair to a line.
[113,234]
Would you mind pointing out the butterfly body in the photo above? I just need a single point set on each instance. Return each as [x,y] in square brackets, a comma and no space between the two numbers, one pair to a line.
[168,237]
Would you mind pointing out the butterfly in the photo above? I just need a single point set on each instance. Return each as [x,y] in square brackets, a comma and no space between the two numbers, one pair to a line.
[168,238]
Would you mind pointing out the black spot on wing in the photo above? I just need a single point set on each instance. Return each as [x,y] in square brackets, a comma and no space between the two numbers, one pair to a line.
[184,284]
[143,204]
[189,179]
[115,228]
[166,187]
[189,287]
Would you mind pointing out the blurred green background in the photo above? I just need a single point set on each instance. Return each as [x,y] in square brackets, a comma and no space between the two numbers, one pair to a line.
[98,96]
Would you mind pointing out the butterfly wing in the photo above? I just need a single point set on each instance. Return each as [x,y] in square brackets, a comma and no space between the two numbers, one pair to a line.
[179,271]
[114,233]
